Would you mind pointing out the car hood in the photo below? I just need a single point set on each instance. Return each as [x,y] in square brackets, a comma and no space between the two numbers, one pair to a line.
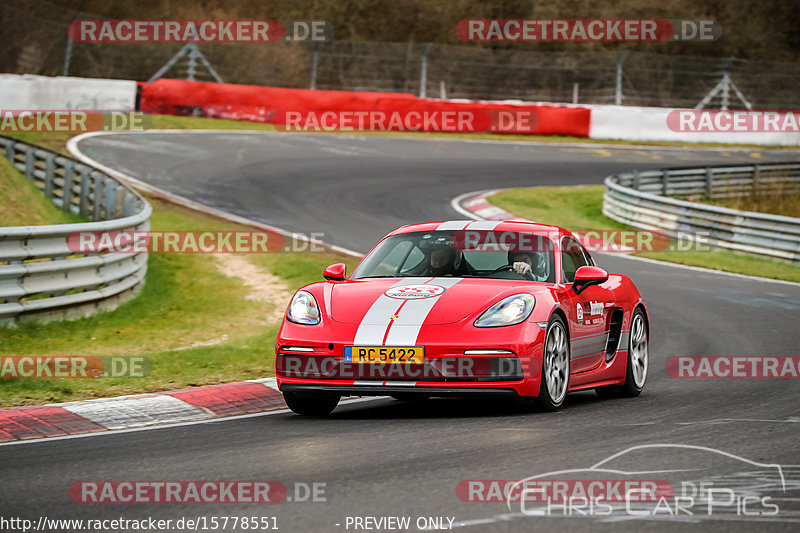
[365,301]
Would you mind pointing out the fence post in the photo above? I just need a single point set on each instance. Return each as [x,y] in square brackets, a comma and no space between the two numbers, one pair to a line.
[618,92]
[314,62]
[423,75]
[636,179]
[665,182]
[709,182]
[68,54]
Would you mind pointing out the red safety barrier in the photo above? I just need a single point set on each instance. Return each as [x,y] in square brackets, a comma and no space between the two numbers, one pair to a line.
[306,110]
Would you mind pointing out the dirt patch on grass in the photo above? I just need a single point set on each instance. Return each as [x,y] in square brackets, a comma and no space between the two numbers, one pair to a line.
[263,286]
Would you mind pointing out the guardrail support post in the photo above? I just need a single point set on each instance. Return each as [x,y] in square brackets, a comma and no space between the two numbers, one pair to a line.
[30,162]
[756,176]
[66,195]
[84,197]
[709,182]
[10,148]
[97,203]
[636,179]
[665,183]
[111,198]
[49,169]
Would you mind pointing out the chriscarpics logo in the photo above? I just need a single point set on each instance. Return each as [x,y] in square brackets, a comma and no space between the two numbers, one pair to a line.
[665,482]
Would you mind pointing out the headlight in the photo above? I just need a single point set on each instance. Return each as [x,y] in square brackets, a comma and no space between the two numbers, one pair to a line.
[508,311]
[303,309]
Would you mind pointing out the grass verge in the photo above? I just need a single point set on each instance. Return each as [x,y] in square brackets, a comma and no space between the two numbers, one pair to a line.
[580,208]
[194,321]
[22,204]
[785,204]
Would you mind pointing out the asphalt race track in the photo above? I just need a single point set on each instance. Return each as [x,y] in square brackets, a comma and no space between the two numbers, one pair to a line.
[389,458]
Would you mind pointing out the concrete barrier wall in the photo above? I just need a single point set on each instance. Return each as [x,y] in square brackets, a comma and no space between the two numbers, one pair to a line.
[270,105]
[64,93]
[650,124]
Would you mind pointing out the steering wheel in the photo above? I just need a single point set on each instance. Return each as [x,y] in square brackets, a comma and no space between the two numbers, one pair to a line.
[528,275]
[504,267]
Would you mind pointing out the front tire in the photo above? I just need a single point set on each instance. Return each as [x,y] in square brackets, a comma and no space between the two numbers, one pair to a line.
[555,366]
[311,404]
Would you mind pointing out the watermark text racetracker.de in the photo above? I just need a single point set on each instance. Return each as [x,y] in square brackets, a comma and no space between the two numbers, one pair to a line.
[588,30]
[184,242]
[728,367]
[499,120]
[714,121]
[593,240]
[73,367]
[71,121]
[208,31]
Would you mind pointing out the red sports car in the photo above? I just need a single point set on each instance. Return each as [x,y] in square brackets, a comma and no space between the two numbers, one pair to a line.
[461,308]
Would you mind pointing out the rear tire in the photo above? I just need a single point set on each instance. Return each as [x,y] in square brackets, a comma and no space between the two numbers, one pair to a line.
[311,404]
[555,366]
[638,355]
[638,361]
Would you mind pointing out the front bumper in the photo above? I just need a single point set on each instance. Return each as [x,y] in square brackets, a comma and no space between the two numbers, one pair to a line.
[502,361]
[378,388]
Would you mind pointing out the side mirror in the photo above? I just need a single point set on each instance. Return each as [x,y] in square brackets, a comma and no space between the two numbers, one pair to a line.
[588,275]
[337,272]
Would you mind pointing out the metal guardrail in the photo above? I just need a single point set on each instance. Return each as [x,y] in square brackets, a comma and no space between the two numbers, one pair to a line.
[41,278]
[642,200]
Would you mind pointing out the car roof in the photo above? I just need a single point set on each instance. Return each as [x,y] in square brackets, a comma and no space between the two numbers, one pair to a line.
[513,225]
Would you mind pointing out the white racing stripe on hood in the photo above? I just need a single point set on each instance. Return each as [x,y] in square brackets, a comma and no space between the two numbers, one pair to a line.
[405,329]
[453,224]
[487,225]
[373,326]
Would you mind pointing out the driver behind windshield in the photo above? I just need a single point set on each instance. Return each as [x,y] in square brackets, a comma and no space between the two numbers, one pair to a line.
[529,265]
[442,259]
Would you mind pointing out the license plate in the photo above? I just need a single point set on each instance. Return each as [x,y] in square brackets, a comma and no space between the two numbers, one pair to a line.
[384,354]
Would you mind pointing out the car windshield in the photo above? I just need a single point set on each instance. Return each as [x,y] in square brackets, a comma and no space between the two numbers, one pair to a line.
[462,253]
